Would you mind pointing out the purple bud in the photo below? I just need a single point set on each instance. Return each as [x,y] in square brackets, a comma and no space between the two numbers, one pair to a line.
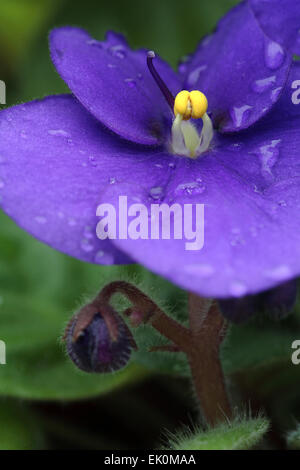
[96,348]
[277,303]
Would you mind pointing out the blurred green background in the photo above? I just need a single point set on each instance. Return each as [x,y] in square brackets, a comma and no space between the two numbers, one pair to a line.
[44,401]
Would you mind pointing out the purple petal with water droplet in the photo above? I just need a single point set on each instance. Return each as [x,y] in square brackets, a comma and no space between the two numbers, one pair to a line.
[280,19]
[113,82]
[238,67]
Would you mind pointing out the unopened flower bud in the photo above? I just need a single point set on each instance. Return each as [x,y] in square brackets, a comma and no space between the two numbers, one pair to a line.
[98,347]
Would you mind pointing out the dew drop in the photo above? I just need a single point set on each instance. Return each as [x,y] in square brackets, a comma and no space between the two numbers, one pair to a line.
[275,94]
[202,270]
[194,75]
[86,245]
[274,55]
[92,160]
[282,203]
[58,132]
[237,288]
[207,40]
[279,273]
[104,258]
[235,147]
[40,219]
[236,238]
[130,82]
[190,188]
[268,155]
[172,165]
[72,222]
[118,51]
[112,180]
[240,114]
[264,84]
[95,43]
[23,134]
[88,232]
[156,192]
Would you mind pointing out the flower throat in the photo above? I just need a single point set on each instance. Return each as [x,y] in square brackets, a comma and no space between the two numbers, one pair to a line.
[185,139]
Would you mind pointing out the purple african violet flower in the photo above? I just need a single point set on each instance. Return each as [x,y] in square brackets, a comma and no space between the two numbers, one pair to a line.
[64,155]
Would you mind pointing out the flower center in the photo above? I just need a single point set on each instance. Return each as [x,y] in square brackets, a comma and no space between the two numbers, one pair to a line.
[185,138]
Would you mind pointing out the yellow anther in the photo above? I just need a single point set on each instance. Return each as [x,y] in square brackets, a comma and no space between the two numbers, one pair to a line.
[190,104]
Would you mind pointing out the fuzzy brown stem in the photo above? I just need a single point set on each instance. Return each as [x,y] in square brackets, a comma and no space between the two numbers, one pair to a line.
[165,325]
[207,328]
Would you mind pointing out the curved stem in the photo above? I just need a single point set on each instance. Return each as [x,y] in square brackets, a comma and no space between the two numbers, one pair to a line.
[150,312]
[200,342]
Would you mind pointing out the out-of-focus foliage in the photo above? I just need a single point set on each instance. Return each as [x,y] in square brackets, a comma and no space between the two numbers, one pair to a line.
[19,429]
[241,434]
[40,288]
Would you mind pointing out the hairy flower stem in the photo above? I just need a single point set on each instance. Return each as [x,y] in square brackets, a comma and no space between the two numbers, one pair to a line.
[200,342]
[207,326]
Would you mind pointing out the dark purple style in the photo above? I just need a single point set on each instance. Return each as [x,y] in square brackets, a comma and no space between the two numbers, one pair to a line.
[62,156]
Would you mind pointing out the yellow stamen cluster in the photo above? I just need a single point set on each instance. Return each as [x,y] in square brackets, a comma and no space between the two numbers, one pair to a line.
[190,104]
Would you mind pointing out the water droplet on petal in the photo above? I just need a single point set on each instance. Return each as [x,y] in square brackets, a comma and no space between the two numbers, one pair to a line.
[268,155]
[72,222]
[235,147]
[92,160]
[59,132]
[282,203]
[190,188]
[202,270]
[237,288]
[280,273]
[24,134]
[240,114]
[206,40]
[156,192]
[112,180]
[172,165]
[130,82]
[40,219]
[104,258]
[118,51]
[88,232]
[95,43]
[274,55]
[194,75]
[275,94]
[86,245]
[264,84]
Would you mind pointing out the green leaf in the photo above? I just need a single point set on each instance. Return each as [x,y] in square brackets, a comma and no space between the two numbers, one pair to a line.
[21,21]
[36,365]
[237,435]
[293,438]
[19,430]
